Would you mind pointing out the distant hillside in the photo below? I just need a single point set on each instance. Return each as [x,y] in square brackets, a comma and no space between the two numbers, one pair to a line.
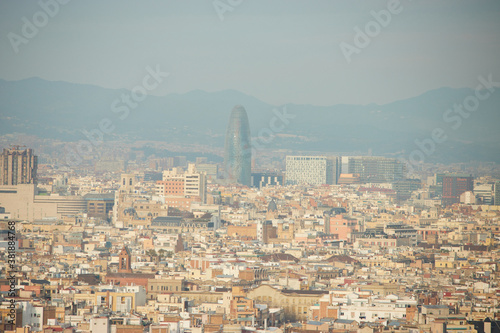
[61,110]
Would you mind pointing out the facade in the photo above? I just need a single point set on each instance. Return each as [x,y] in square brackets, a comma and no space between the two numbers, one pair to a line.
[163,286]
[483,194]
[402,231]
[183,184]
[176,224]
[266,231]
[376,169]
[340,225]
[23,202]
[405,187]
[454,186]
[121,299]
[100,325]
[128,182]
[388,308]
[100,204]
[18,167]
[312,170]
[32,315]
[247,231]
[169,243]
[238,149]
[296,303]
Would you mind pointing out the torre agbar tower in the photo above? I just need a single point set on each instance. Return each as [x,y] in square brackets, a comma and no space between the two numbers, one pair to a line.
[238,152]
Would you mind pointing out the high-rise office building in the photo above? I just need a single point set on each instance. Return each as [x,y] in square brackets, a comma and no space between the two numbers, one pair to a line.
[376,169]
[454,186]
[238,149]
[312,170]
[17,166]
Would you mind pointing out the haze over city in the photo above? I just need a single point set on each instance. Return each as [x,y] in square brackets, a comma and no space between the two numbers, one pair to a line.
[250,166]
[278,51]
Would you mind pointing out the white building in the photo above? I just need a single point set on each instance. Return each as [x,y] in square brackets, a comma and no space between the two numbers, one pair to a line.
[373,309]
[121,299]
[468,198]
[32,316]
[312,170]
[100,325]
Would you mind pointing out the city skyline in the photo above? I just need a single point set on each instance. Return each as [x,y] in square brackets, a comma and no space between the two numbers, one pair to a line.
[250,166]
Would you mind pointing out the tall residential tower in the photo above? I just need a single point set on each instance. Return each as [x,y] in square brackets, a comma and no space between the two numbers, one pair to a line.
[17,166]
[238,150]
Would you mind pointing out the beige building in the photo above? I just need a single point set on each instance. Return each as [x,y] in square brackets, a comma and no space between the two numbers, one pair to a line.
[296,303]
[17,166]
[121,299]
[200,297]
[158,287]
[188,183]
[23,202]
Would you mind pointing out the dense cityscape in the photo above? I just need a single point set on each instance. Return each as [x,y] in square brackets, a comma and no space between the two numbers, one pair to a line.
[329,244]
[250,166]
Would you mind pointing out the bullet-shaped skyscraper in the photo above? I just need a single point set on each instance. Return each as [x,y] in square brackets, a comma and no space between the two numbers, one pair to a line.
[238,150]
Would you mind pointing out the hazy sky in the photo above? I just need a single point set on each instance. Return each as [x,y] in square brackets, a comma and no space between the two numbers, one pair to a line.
[278,51]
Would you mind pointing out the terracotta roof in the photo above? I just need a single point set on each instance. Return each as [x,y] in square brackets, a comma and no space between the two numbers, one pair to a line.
[342,258]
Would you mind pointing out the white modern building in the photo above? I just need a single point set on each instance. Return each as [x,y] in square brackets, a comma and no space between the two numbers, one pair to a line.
[312,170]
[32,316]
[389,308]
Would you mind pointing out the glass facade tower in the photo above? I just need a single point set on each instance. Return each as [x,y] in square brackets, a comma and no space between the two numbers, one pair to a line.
[238,150]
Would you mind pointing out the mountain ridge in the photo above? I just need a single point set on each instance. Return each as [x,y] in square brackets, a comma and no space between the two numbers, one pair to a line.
[62,110]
